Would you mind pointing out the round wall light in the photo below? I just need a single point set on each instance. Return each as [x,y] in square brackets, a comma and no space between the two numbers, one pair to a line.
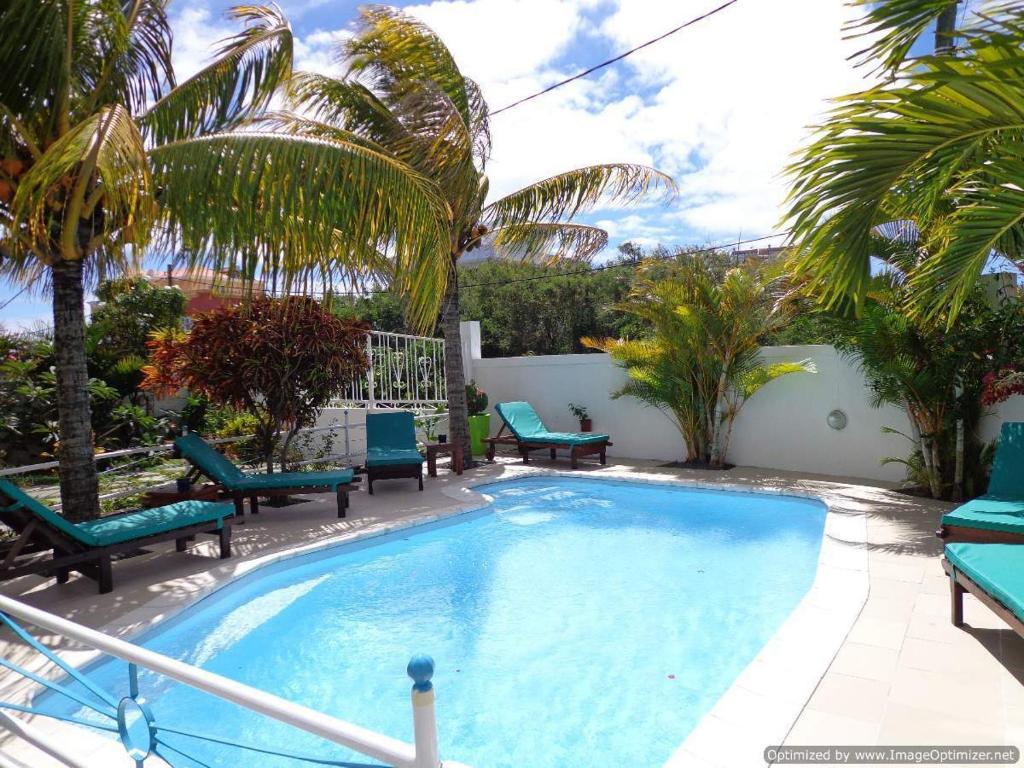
[836,419]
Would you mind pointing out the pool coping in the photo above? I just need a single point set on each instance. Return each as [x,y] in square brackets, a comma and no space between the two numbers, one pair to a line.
[762,703]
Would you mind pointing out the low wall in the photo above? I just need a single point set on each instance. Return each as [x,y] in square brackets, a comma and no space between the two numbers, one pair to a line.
[782,427]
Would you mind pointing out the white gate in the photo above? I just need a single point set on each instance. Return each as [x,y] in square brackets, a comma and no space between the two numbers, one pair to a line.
[405,372]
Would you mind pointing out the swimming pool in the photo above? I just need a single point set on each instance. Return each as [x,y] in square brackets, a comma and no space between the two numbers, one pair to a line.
[574,622]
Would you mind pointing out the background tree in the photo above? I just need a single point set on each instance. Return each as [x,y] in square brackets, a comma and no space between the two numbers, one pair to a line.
[938,142]
[101,150]
[280,360]
[129,310]
[404,95]
[702,361]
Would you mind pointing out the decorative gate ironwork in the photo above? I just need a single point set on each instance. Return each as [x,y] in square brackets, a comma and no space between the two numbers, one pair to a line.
[405,372]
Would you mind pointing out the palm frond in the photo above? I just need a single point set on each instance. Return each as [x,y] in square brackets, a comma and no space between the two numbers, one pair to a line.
[395,54]
[300,125]
[548,243]
[99,165]
[32,55]
[752,379]
[236,86]
[424,129]
[893,26]
[134,44]
[988,219]
[310,205]
[895,152]
[566,195]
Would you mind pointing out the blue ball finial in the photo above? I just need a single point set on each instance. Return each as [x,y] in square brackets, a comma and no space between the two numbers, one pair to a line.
[421,669]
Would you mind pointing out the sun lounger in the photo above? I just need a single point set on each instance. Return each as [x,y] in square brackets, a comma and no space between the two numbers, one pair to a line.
[211,463]
[391,450]
[528,433]
[89,547]
[998,516]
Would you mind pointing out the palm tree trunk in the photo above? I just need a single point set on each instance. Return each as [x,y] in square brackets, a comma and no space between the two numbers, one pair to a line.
[716,458]
[79,483]
[455,377]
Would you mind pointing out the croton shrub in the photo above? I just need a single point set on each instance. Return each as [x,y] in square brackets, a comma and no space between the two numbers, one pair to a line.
[282,360]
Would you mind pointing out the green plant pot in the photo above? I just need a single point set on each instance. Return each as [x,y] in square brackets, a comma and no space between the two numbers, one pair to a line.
[479,429]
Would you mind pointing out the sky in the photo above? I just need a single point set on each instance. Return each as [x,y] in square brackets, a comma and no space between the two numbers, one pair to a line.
[720,106]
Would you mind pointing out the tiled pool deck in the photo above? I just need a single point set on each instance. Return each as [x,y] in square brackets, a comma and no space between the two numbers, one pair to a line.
[869,657]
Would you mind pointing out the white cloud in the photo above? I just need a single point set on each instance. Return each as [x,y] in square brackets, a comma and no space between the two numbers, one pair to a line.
[732,95]
[721,106]
[197,33]
[319,51]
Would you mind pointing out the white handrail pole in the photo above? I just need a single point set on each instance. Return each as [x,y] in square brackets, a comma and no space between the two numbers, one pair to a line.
[424,718]
[379,746]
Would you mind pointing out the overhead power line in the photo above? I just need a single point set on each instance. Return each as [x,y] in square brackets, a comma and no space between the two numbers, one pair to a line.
[13,298]
[620,57]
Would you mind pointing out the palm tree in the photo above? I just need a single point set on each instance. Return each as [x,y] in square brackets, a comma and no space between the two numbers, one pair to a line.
[937,143]
[404,96]
[702,362]
[103,153]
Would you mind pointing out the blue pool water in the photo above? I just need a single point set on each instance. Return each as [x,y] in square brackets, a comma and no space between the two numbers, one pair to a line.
[573,623]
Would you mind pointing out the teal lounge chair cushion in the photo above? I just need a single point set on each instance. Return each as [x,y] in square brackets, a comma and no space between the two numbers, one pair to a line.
[387,457]
[988,514]
[330,480]
[1007,481]
[120,528]
[23,501]
[996,568]
[391,439]
[149,522]
[211,461]
[216,465]
[527,427]
[394,430]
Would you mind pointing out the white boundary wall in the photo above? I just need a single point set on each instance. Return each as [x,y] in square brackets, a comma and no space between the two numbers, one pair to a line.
[782,427]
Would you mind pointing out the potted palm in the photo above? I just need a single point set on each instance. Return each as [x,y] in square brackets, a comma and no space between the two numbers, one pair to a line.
[581,413]
[479,419]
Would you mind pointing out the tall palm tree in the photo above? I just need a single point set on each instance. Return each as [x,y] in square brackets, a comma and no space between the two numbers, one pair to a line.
[938,142]
[404,96]
[103,153]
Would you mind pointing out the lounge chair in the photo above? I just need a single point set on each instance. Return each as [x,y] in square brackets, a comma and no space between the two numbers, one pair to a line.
[391,450]
[211,463]
[998,516]
[994,573]
[528,433]
[89,547]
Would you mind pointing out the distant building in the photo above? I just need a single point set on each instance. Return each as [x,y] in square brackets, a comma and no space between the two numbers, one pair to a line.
[760,254]
[204,289]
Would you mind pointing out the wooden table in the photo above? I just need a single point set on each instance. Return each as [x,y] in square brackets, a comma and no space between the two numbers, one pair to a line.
[169,494]
[449,449]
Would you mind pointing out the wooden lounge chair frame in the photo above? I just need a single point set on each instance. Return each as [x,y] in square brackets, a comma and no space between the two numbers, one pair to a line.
[196,472]
[36,536]
[393,472]
[576,450]
[960,533]
[959,583]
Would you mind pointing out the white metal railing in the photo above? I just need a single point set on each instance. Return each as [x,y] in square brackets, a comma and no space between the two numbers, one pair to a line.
[405,371]
[422,754]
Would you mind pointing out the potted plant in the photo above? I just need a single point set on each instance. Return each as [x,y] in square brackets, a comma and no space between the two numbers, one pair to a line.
[581,413]
[479,419]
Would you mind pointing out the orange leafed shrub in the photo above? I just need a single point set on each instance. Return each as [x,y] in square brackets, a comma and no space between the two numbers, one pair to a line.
[279,359]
